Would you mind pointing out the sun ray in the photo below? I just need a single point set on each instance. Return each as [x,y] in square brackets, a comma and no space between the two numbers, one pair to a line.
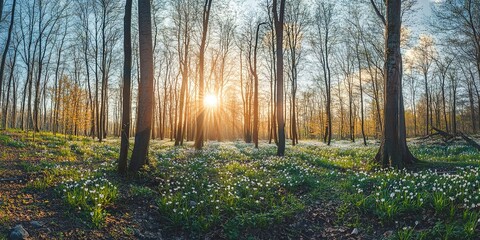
[210,101]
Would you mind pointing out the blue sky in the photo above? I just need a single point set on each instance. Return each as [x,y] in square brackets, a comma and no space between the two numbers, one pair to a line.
[424,10]
[424,13]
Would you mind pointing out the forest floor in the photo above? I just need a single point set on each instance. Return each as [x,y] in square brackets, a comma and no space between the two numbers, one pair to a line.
[62,187]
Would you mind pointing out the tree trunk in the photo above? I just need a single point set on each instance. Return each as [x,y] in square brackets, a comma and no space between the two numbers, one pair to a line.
[200,131]
[145,88]
[454,114]
[39,71]
[7,44]
[393,149]
[179,132]
[127,77]
[278,18]
[255,96]
[101,133]
[1,9]
[7,101]
[427,119]
[472,104]
[414,116]
[97,111]
[273,83]
[362,117]
[13,122]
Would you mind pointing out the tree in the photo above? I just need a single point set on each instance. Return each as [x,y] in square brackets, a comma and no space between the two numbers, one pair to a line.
[358,37]
[443,65]
[145,88]
[346,64]
[393,149]
[7,44]
[253,70]
[201,91]
[13,61]
[50,13]
[1,9]
[83,16]
[27,55]
[222,67]
[458,22]
[56,99]
[183,19]
[324,20]
[411,82]
[127,75]
[278,17]
[109,36]
[272,131]
[246,90]
[297,17]
[424,59]
[453,77]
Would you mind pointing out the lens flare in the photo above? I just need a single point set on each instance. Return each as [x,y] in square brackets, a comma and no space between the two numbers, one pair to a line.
[210,101]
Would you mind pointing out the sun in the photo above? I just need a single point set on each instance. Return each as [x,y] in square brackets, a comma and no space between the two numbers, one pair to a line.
[210,101]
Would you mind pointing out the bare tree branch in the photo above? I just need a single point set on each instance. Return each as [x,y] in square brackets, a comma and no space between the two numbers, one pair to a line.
[378,12]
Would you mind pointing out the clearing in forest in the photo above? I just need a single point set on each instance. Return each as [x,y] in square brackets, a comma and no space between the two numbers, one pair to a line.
[67,187]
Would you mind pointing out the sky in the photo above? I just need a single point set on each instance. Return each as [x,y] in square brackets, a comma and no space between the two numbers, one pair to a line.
[420,22]
[424,13]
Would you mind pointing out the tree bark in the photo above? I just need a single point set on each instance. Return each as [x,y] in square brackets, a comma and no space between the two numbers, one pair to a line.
[279,21]
[393,150]
[184,65]
[145,88]
[200,131]
[362,117]
[7,101]
[7,44]
[255,96]
[127,78]
[1,9]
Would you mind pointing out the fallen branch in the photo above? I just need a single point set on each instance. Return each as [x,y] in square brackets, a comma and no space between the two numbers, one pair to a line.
[446,136]
[470,141]
[428,136]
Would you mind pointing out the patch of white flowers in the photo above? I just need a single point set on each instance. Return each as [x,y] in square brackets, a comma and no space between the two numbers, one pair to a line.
[86,190]
[227,178]
[459,188]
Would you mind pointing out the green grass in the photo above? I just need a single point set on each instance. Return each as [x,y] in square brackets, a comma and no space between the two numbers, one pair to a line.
[141,191]
[31,167]
[236,188]
[400,195]
[237,191]
[451,153]
[89,196]
[11,142]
